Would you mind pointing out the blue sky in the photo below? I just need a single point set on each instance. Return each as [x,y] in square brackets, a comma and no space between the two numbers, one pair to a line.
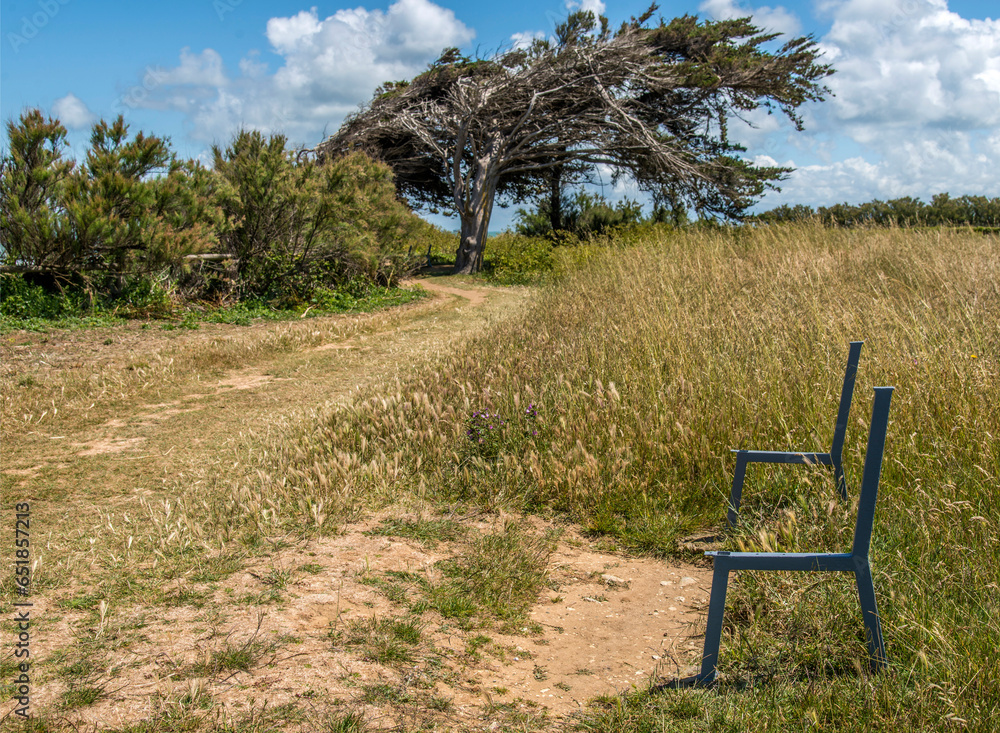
[916,111]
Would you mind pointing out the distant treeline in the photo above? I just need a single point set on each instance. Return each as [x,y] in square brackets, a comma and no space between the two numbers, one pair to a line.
[943,210]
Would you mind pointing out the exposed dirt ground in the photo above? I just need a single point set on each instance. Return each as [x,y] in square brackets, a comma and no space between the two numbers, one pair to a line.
[608,623]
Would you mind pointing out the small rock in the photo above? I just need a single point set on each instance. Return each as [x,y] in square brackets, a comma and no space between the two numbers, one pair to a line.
[613,581]
[665,582]
[687,581]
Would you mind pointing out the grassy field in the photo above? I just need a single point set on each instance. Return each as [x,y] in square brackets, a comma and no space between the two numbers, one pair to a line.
[612,402]
[624,386]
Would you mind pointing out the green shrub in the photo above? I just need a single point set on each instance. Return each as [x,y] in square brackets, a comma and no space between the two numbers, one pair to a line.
[132,210]
[583,215]
[20,300]
[143,297]
[514,259]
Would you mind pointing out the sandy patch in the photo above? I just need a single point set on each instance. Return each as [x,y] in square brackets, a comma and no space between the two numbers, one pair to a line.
[615,623]
[244,381]
[107,445]
[475,296]
[609,623]
[338,346]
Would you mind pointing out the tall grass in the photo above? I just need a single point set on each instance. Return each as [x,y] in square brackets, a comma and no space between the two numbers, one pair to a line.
[644,366]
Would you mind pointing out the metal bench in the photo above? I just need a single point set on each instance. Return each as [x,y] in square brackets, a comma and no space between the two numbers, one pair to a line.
[855,561]
[833,458]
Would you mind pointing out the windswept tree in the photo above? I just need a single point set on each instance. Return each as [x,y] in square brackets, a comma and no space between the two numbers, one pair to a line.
[650,102]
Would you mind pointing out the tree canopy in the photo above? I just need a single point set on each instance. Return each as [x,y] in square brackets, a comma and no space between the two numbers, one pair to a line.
[652,102]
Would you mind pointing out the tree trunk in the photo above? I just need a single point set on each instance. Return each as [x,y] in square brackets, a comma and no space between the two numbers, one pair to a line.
[475,216]
[555,199]
[469,258]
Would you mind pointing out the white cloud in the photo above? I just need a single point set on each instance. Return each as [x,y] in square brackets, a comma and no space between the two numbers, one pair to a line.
[917,64]
[251,67]
[524,40]
[776,19]
[328,66]
[917,105]
[758,130]
[72,112]
[992,144]
[289,34]
[594,6]
[921,166]
[204,69]
[408,31]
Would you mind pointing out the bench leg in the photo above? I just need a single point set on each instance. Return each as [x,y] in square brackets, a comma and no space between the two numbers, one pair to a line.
[713,631]
[736,493]
[838,474]
[869,612]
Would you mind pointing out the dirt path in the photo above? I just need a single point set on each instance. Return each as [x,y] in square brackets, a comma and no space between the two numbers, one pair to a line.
[609,623]
[165,423]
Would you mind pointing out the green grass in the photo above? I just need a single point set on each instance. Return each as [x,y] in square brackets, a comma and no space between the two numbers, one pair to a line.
[500,573]
[649,362]
[230,657]
[187,713]
[389,641]
[428,532]
[496,576]
[351,722]
[81,695]
[86,602]
[74,316]
[210,569]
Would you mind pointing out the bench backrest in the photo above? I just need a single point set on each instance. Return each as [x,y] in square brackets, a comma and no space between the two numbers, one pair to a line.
[846,395]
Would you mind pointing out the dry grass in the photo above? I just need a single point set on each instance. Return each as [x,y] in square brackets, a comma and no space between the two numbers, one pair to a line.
[621,389]
[647,365]
[42,376]
[122,541]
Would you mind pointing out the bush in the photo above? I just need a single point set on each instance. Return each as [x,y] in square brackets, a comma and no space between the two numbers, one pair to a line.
[20,299]
[306,226]
[144,297]
[294,227]
[513,259]
[584,215]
